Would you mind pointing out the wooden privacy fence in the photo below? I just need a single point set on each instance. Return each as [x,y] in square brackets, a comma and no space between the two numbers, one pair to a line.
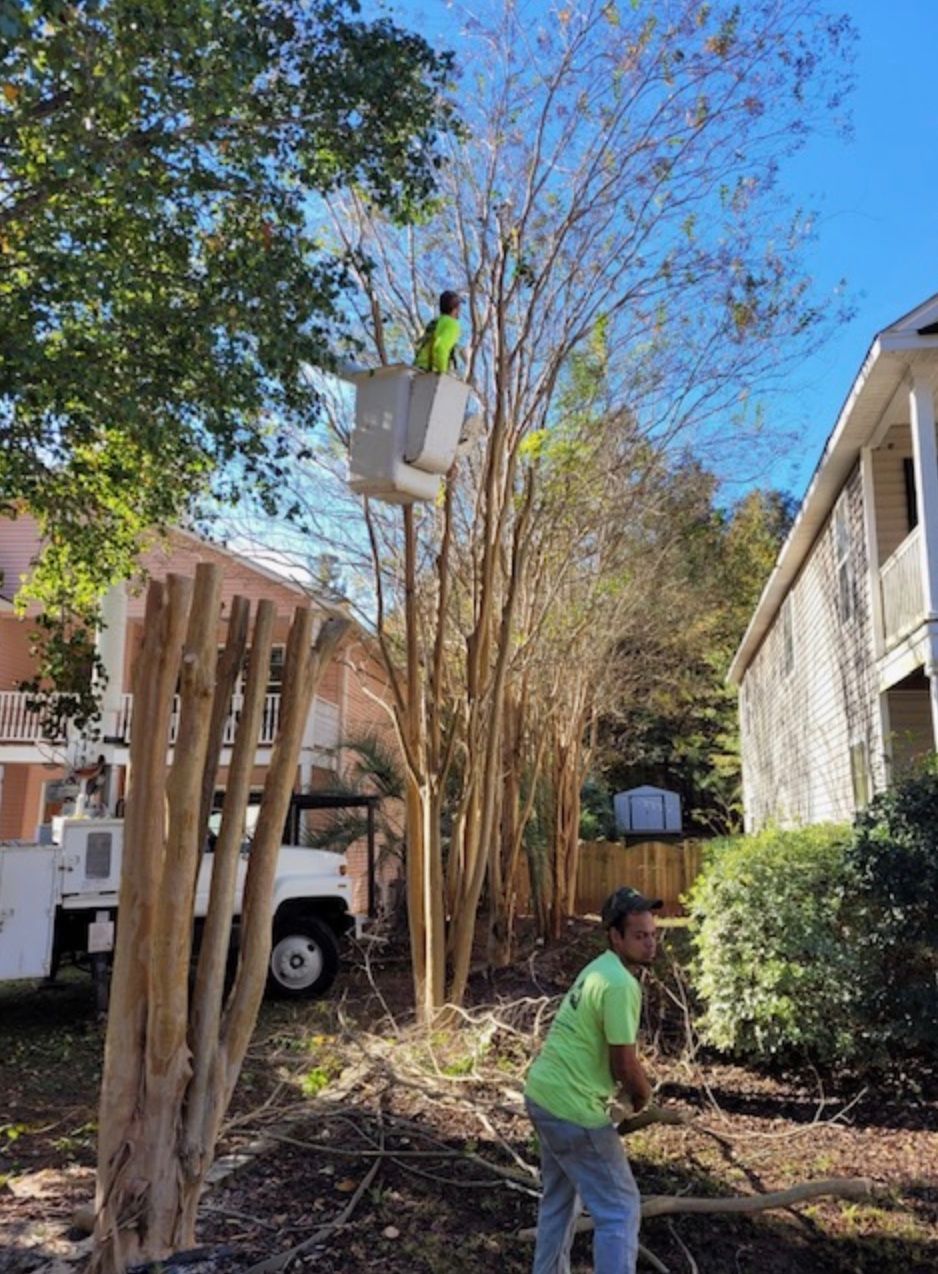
[658,869]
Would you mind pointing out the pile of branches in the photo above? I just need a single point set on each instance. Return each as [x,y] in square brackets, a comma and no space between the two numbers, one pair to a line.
[401,1081]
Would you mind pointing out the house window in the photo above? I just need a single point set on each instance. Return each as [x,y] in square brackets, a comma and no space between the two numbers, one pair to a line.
[911,499]
[788,639]
[275,675]
[843,563]
[274,672]
[860,775]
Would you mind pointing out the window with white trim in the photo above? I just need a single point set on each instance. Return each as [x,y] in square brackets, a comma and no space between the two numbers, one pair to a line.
[274,671]
[843,562]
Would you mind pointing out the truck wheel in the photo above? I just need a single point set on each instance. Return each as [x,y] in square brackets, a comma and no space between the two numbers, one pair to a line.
[304,958]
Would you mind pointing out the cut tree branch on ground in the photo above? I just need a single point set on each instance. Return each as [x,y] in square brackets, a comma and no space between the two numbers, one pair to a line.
[650,1259]
[665,1204]
[417,1073]
[688,1254]
[273,1264]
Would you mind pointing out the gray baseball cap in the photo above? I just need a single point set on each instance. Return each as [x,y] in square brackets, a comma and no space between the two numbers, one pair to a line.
[626,900]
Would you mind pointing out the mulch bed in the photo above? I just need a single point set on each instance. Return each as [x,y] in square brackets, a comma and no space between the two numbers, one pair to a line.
[430,1207]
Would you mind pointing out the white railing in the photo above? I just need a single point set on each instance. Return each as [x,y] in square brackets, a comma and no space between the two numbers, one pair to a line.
[900,578]
[270,719]
[19,724]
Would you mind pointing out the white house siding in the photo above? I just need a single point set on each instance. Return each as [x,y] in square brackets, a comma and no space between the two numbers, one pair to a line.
[798,727]
[892,520]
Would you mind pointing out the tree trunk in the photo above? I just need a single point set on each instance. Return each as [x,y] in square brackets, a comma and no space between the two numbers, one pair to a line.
[123,1233]
[502,882]
[169,1072]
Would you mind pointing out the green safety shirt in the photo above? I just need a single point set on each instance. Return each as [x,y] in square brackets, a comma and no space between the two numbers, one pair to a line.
[435,349]
[570,1077]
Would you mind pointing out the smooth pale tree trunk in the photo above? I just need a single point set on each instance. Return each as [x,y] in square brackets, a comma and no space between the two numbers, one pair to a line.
[502,880]
[170,1065]
[570,760]
[123,1186]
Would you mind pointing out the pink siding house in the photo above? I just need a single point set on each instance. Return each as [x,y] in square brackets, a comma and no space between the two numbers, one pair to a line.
[32,767]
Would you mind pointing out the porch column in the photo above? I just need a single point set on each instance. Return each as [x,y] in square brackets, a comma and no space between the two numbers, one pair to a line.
[925,453]
[872,549]
[111,643]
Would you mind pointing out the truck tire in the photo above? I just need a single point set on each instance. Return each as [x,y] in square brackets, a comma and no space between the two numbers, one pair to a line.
[304,958]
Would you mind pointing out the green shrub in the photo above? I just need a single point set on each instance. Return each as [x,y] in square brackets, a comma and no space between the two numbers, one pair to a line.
[771,964]
[891,912]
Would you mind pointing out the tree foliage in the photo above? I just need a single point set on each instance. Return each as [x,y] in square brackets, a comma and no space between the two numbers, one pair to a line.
[163,286]
[772,965]
[678,727]
[822,942]
[631,269]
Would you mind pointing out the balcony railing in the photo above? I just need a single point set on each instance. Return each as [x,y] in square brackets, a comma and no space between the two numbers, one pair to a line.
[270,719]
[20,724]
[900,579]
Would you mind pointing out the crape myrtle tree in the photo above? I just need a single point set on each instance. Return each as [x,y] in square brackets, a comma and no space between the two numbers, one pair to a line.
[616,197]
[621,167]
[598,572]
[162,282]
[174,1050]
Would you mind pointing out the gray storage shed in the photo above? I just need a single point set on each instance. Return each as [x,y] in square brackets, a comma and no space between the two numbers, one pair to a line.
[648,810]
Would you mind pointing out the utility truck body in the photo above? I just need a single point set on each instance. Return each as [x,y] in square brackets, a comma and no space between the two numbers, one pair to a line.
[61,899]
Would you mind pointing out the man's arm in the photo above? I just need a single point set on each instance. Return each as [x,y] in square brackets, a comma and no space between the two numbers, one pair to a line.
[627,1072]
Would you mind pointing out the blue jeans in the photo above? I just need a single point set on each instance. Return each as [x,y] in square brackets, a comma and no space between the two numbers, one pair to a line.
[587,1165]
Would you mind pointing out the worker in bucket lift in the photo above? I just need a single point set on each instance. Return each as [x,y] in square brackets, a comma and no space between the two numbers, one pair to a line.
[436,350]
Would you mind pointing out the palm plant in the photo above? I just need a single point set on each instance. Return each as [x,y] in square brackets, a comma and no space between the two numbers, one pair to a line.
[372,768]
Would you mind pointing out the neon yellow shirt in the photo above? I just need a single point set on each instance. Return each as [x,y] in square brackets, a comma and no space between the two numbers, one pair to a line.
[570,1077]
[435,348]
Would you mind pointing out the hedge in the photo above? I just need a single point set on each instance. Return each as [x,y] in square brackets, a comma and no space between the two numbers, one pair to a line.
[822,942]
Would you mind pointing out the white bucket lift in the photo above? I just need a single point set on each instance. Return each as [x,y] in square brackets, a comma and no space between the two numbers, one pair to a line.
[407,427]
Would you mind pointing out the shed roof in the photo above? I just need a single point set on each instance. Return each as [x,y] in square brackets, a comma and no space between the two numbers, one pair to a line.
[874,397]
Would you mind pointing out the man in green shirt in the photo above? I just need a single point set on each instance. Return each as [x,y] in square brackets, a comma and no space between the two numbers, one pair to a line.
[590,1050]
[436,349]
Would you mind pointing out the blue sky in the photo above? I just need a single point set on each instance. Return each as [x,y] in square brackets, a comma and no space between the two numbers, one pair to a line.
[877,197]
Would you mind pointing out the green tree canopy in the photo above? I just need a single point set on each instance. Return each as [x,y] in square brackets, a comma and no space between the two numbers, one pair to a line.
[679,728]
[163,288]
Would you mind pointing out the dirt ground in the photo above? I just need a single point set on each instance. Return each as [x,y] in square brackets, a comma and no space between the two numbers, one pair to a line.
[375,1146]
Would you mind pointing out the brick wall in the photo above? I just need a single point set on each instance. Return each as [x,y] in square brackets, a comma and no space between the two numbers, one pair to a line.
[16,663]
